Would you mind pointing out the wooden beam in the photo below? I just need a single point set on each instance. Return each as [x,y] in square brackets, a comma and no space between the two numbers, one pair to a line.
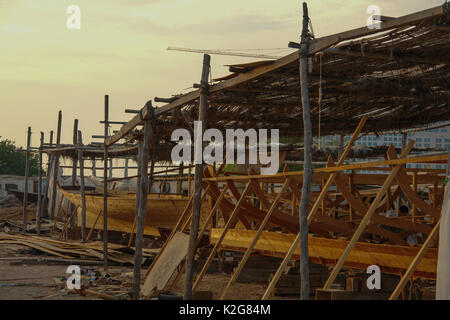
[365,221]
[398,289]
[93,226]
[55,166]
[249,250]
[39,203]
[219,241]
[314,209]
[307,167]
[82,188]
[356,166]
[49,166]
[142,207]
[198,186]
[25,188]
[105,190]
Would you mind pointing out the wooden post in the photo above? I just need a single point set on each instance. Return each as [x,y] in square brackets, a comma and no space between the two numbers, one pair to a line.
[110,168]
[413,209]
[49,166]
[142,205]
[82,188]
[55,166]
[412,267]
[307,167]
[366,219]
[74,161]
[39,203]
[105,189]
[94,170]
[180,181]
[125,171]
[189,181]
[25,188]
[187,295]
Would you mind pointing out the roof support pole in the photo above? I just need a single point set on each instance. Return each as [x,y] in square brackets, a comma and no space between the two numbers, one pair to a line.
[307,167]
[49,166]
[74,161]
[25,187]
[39,203]
[82,189]
[105,190]
[141,208]
[55,167]
[197,201]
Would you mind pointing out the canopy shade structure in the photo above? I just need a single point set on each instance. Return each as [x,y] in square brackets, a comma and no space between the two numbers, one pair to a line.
[397,74]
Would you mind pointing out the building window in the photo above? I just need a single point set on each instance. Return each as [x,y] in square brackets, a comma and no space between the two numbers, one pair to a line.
[11,186]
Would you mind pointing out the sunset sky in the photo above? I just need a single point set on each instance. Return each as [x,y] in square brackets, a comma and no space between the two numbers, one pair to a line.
[120,50]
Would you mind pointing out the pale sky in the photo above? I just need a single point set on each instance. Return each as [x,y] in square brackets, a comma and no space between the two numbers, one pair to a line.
[120,50]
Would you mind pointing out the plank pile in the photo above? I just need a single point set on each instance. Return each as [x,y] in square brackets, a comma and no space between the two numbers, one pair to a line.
[71,250]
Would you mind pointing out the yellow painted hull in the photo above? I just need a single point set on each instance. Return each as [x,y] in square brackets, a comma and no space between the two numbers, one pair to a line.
[162,210]
[391,258]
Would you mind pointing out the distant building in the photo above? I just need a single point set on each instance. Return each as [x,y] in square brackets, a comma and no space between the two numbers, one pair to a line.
[13,182]
[438,138]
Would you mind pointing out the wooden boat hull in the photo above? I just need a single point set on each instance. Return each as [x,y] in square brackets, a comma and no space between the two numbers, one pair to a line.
[391,258]
[162,210]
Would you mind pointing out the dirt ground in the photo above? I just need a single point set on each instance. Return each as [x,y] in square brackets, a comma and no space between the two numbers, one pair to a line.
[30,282]
[216,283]
[40,281]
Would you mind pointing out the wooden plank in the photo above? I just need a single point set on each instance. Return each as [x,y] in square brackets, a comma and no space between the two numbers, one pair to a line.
[226,228]
[314,209]
[255,239]
[415,262]
[356,166]
[365,221]
[391,258]
[170,258]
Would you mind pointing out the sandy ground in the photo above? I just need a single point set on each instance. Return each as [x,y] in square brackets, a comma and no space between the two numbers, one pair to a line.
[31,282]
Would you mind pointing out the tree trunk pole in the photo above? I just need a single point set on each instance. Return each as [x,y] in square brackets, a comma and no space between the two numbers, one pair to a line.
[125,172]
[94,171]
[74,165]
[55,167]
[141,209]
[308,171]
[203,104]
[25,188]
[74,161]
[49,166]
[105,189]
[39,203]
[82,188]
